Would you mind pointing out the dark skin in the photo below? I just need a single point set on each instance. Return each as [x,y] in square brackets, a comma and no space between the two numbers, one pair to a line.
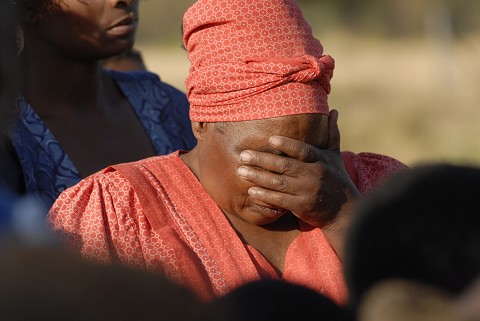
[64,81]
[283,181]
[302,177]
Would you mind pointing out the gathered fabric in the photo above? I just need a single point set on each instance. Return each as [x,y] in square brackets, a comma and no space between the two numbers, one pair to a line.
[155,214]
[253,60]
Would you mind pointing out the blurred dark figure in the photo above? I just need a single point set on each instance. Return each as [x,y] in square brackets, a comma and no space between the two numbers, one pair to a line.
[28,226]
[51,284]
[8,72]
[422,225]
[275,300]
[8,81]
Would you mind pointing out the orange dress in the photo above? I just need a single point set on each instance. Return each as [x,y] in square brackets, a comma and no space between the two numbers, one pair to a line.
[155,214]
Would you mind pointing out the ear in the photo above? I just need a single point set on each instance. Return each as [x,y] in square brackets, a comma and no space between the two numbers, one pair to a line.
[199,129]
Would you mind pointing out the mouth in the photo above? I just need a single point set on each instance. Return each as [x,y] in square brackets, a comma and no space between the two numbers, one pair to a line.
[124,26]
[271,212]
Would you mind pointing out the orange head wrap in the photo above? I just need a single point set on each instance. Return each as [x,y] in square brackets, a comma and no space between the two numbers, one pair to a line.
[253,59]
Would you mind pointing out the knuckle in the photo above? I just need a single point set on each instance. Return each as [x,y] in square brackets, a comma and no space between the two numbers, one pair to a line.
[279,183]
[279,200]
[282,165]
[254,175]
[314,172]
[306,153]
[256,159]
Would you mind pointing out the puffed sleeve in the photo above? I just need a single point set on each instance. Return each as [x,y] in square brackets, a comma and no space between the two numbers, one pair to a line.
[99,217]
[368,170]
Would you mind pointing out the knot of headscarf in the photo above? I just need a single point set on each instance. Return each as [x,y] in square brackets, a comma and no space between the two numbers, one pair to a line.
[230,82]
[253,60]
[300,69]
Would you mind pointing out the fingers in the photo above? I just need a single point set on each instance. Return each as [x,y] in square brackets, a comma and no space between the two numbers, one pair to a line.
[304,183]
[307,153]
[296,149]
[274,198]
[303,207]
[266,179]
[270,162]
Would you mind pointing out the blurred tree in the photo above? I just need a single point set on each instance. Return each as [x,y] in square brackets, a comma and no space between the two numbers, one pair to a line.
[161,19]
[401,17]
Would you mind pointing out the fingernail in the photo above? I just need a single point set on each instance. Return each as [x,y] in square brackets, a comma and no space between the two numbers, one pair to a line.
[245,156]
[275,141]
[252,191]
[242,171]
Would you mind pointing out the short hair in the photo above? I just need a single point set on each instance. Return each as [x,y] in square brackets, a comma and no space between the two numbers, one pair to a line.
[275,300]
[51,283]
[421,225]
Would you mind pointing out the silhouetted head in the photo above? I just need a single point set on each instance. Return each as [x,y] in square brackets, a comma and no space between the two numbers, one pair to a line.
[421,225]
[274,300]
[47,283]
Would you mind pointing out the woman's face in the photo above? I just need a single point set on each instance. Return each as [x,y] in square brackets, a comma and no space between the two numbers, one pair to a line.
[84,28]
[219,148]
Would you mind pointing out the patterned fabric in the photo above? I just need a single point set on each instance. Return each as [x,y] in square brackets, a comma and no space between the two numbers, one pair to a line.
[155,214]
[253,60]
[7,201]
[48,170]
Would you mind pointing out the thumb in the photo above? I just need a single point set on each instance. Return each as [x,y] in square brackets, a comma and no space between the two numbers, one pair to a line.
[333,131]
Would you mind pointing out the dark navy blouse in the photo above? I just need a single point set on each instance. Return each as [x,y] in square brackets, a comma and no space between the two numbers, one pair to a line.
[47,169]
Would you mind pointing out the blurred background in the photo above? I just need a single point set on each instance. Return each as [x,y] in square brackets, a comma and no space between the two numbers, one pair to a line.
[407,74]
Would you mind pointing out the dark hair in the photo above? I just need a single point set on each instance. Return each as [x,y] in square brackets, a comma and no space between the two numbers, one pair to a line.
[7,59]
[8,87]
[52,284]
[39,6]
[275,300]
[421,225]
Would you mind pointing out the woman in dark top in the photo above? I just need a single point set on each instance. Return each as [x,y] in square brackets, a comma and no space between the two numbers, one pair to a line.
[73,116]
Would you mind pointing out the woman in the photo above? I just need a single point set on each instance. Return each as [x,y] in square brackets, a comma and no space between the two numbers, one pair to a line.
[264,194]
[74,117]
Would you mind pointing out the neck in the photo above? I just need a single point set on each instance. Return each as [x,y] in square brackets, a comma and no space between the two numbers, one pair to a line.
[53,80]
[191,160]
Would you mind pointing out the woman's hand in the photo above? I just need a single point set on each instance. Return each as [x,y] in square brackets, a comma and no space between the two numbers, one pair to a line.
[310,182]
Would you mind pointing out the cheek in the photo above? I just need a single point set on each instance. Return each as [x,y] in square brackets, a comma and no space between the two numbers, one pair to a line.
[220,180]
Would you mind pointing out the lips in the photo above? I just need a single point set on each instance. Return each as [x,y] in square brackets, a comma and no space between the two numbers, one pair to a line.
[124,26]
[271,212]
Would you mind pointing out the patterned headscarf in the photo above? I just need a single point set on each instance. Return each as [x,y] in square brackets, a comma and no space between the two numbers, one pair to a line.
[253,59]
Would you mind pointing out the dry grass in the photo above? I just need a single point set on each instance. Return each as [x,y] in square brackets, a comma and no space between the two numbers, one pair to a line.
[415,100]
